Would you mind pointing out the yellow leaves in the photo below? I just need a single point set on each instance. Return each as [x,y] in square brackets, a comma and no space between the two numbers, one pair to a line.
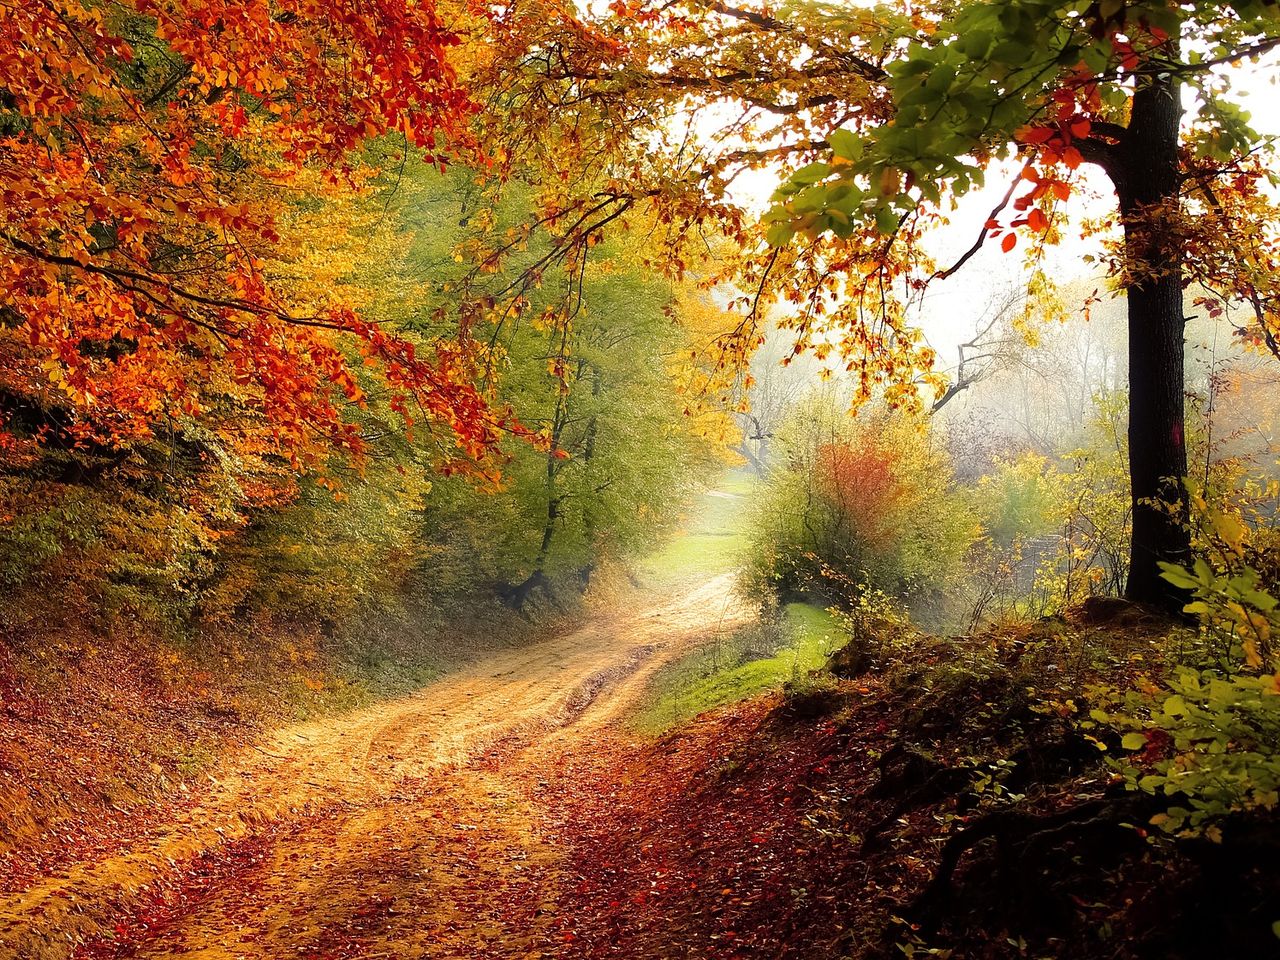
[1228,528]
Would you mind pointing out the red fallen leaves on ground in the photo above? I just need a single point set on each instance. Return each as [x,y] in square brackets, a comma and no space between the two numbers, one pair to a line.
[713,841]
[740,835]
[167,901]
[90,756]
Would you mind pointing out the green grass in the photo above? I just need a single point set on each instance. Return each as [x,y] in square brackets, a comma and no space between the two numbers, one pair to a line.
[739,482]
[755,659]
[713,540]
[694,554]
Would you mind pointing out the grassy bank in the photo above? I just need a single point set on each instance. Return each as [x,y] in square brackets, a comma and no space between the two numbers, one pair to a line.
[752,660]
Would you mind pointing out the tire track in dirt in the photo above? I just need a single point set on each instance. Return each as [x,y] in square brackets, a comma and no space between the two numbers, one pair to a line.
[404,828]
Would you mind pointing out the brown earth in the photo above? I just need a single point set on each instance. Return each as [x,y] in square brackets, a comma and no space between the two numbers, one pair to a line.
[412,829]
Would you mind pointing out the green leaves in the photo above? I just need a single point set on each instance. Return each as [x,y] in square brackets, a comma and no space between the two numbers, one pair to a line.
[810,174]
[1133,741]
[1237,611]
[966,91]
[779,234]
[886,220]
[1224,129]
[1214,743]
[845,144]
[1213,736]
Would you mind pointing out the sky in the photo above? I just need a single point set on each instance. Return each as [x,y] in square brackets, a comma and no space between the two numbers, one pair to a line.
[952,306]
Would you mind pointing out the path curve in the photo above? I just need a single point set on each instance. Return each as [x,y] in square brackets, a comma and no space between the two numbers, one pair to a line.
[406,825]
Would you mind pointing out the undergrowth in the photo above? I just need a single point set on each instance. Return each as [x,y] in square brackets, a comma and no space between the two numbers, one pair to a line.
[759,657]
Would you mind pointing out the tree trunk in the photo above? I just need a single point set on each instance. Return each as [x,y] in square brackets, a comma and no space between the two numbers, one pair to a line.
[1145,171]
[588,455]
[518,595]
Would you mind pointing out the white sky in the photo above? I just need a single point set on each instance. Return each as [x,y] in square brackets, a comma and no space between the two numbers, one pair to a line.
[953,305]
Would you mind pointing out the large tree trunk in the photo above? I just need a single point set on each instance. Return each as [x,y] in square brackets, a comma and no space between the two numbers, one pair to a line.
[1146,172]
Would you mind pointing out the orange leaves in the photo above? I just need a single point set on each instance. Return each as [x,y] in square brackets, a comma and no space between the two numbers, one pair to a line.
[1035,135]
[864,484]
[1129,58]
[1036,204]
[143,269]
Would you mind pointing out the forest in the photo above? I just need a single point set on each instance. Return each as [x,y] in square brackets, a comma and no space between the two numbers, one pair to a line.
[654,479]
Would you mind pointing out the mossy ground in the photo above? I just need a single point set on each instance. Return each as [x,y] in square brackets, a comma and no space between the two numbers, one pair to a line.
[752,660]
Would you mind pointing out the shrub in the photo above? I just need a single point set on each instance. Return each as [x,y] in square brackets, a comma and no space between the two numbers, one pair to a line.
[860,506]
[1211,737]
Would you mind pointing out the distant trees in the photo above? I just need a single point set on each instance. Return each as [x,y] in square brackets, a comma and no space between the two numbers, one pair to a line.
[877,118]
[195,524]
[770,395]
[595,364]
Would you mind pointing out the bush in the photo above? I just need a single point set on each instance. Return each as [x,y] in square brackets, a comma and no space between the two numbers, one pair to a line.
[1213,744]
[864,505]
[1210,738]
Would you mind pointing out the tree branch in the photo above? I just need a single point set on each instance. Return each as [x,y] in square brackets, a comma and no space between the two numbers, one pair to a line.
[982,234]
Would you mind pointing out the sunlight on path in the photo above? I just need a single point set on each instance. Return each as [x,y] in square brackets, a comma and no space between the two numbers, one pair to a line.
[399,831]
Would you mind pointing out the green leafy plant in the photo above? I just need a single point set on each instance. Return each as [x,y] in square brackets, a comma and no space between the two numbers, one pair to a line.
[1210,740]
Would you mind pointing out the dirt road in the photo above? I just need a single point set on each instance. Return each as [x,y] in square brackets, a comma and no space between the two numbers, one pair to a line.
[408,830]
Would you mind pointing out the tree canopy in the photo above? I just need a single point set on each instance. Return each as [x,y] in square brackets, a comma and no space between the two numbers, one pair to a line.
[152,158]
[878,120]
[163,164]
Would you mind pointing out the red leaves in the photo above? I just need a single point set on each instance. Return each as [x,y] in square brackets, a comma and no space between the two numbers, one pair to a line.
[665,839]
[1129,58]
[141,276]
[1010,240]
[1036,135]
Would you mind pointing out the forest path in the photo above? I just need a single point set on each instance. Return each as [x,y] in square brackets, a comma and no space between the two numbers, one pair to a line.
[406,830]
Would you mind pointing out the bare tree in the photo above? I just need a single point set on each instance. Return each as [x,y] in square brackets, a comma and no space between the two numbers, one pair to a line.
[994,346]
[779,382]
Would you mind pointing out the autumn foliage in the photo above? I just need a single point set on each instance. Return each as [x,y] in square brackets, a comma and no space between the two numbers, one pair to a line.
[861,508]
[864,485]
[150,156]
